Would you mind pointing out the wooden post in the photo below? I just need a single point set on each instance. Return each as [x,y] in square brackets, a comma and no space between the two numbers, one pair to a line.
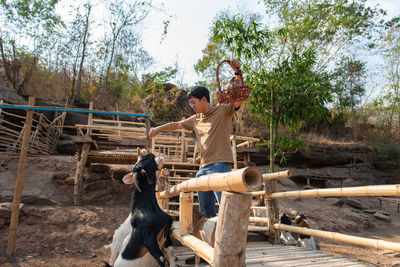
[195,151]
[79,173]
[20,179]
[186,213]
[231,231]
[235,164]
[90,118]
[1,103]
[272,211]
[148,147]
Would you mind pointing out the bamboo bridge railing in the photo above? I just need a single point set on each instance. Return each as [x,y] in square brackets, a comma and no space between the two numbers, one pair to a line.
[233,214]
[243,182]
[360,191]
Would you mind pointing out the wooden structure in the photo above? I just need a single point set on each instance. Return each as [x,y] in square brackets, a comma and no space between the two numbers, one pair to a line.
[391,200]
[43,134]
[230,248]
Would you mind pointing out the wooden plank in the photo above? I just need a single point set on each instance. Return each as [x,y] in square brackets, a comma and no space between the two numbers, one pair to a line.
[78,139]
[113,128]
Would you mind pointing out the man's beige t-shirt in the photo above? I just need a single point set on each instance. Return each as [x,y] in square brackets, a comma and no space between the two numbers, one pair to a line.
[212,131]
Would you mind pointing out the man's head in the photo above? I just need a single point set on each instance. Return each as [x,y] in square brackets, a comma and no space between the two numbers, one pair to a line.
[199,99]
[199,92]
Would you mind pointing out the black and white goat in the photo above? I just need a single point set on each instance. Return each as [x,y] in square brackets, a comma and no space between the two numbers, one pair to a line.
[288,238]
[304,240]
[144,239]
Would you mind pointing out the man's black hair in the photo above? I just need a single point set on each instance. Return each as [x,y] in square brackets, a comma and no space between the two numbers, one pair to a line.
[198,92]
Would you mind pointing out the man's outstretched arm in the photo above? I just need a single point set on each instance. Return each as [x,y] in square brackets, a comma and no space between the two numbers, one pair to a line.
[168,127]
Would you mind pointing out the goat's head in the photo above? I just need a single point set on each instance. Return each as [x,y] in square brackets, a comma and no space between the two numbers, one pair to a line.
[300,221]
[145,169]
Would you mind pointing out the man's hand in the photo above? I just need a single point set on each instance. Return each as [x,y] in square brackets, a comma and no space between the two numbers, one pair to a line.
[153,132]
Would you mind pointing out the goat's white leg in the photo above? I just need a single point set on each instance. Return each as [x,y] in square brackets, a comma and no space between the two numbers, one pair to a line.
[118,239]
[170,256]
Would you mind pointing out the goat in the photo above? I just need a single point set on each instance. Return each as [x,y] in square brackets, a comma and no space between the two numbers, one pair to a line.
[304,240]
[138,240]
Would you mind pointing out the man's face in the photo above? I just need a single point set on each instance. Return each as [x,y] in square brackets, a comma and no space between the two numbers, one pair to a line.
[196,104]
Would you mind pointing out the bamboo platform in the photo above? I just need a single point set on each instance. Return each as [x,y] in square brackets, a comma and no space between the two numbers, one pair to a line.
[265,254]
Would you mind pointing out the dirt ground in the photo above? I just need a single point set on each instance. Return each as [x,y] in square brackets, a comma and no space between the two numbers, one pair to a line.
[54,232]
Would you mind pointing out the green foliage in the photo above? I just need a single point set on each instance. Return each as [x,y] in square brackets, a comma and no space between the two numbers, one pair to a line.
[155,95]
[349,79]
[297,92]
[387,157]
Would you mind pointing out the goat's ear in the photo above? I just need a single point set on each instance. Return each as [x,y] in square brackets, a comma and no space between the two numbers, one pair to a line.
[138,151]
[143,152]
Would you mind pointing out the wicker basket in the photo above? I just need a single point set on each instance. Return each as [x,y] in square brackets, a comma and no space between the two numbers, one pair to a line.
[236,89]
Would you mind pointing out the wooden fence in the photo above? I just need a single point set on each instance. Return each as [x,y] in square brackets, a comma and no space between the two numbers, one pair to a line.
[43,136]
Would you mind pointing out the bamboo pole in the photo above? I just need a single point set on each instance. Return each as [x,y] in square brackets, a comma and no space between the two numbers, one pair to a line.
[20,180]
[186,213]
[369,242]
[277,175]
[241,180]
[244,138]
[199,247]
[358,191]
[122,122]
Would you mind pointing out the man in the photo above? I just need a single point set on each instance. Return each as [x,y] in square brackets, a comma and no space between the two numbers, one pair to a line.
[211,125]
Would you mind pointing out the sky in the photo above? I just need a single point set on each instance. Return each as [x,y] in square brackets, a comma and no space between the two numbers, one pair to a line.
[189,27]
[188,32]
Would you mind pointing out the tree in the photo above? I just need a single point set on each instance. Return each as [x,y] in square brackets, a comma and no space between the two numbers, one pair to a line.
[285,90]
[391,53]
[23,22]
[120,49]
[328,27]
[349,80]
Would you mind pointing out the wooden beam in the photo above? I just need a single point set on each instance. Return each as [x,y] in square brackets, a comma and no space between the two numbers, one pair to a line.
[231,231]
[20,179]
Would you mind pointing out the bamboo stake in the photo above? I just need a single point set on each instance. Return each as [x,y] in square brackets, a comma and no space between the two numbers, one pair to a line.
[241,180]
[369,242]
[358,191]
[20,179]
